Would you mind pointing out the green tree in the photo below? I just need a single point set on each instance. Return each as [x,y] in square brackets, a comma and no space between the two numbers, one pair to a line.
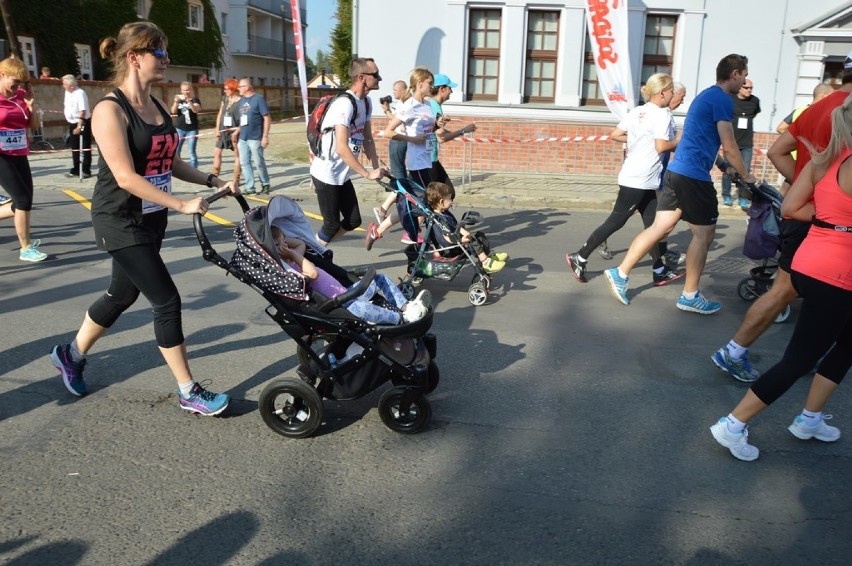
[189,47]
[341,41]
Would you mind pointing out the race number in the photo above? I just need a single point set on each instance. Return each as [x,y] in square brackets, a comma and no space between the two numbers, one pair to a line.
[13,140]
[163,181]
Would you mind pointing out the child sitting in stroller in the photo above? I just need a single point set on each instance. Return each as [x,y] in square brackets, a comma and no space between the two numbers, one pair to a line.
[292,252]
[439,198]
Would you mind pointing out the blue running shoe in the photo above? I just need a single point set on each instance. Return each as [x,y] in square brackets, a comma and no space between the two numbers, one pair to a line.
[4,199]
[739,369]
[71,371]
[727,200]
[699,304]
[203,402]
[617,285]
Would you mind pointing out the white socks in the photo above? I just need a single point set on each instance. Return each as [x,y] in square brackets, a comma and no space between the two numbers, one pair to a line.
[186,388]
[735,350]
[735,425]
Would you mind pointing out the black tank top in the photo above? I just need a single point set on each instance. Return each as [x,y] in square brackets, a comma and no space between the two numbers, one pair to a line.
[117,214]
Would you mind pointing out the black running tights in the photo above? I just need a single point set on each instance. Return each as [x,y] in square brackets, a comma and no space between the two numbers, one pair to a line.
[824,322]
[141,269]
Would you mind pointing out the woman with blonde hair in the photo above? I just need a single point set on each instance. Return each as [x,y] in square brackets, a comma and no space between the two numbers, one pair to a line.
[130,204]
[17,113]
[226,122]
[821,273]
[649,133]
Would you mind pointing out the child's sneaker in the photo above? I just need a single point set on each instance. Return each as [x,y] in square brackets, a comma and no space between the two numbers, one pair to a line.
[372,235]
[821,431]
[500,256]
[491,265]
[414,311]
[736,443]
[203,402]
[71,371]
[32,253]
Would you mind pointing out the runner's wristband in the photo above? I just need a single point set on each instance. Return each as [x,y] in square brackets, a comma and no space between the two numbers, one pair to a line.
[210,178]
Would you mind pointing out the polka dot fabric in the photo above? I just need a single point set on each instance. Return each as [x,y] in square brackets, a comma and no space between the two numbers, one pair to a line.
[265,271]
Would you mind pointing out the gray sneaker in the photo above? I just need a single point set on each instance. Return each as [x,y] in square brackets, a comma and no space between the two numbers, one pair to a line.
[736,443]
[821,431]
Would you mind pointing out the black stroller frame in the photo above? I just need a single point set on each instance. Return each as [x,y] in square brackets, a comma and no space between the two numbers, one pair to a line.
[761,277]
[323,331]
[419,255]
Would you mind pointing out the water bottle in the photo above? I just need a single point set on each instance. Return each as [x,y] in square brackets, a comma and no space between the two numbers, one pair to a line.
[425,267]
[332,360]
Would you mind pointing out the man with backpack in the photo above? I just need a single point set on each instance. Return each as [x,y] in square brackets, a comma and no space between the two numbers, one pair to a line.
[343,132]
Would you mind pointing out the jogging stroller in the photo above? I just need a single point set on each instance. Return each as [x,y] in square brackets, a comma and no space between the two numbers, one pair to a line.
[341,357]
[432,256]
[762,241]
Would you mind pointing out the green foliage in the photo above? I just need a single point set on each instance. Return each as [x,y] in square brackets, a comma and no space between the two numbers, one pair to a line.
[186,46]
[57,26]
[341,41]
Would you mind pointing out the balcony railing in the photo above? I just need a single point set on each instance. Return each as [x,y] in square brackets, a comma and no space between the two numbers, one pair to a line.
[275,7]
[258,45]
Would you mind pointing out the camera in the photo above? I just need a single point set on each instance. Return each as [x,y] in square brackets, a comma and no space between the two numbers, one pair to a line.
[385,99]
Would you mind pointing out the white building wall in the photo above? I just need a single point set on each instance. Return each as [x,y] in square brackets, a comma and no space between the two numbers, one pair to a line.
[434,34]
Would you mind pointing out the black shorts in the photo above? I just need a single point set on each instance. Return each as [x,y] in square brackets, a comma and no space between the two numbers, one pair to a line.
[696,199]
[793,233]
[224,141]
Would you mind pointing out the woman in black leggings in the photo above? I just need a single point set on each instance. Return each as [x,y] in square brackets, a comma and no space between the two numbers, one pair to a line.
[130,204]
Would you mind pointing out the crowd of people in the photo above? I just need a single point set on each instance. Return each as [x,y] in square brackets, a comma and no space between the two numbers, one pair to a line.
[666,177]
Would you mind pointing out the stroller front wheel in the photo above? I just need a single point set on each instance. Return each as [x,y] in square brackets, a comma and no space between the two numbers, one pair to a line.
[747,289]
[407,290]
[477,294]
[410,420]
[291,407]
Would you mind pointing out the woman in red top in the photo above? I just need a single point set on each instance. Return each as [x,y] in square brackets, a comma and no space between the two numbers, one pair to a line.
[17,113]
[822,276]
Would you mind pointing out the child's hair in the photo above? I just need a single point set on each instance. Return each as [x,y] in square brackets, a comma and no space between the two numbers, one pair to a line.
[277,233]
[436,191]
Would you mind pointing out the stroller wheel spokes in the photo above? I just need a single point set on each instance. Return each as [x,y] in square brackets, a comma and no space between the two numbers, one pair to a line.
[748,289]
[291,407]
[407,290]
[398,417]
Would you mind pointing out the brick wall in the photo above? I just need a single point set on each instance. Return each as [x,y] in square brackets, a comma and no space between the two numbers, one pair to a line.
[556,157]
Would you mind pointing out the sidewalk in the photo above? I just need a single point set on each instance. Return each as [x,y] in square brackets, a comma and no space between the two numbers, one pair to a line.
[497,190]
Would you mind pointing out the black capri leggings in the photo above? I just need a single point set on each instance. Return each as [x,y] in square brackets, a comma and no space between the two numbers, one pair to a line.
[338,205]
[825,320]
[629,200]
[17,180]
[141,269]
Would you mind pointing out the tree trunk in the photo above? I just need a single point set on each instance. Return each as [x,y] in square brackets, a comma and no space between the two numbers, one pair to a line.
[14,49]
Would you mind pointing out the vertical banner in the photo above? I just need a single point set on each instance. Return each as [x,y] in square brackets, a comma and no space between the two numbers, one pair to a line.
[300,54]
[607,23]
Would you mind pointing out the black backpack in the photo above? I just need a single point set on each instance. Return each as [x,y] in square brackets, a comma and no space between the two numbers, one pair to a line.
[318,115]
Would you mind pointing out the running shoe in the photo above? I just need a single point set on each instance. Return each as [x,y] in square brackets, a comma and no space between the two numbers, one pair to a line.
[745,204]
[71,371]
[491,265]
[727,201]
[500,256]
[672,259]
[32,253]
[417,308]
[603,249]
[617,285]
[738,369]
[372,235]
[667,276]
[578,268]
[699,304]
[737,443]
[408,240]
[380,213]
[821,431]
[203,402]
[264,190]
[4,199]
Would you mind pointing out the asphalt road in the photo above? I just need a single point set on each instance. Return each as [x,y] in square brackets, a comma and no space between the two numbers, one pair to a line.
[567,428]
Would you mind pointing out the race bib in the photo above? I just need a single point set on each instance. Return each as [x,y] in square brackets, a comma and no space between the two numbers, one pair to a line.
[431,140]
[244,120]
[228,121]
[742,123]
[355,145]
[13,140]
[163,181]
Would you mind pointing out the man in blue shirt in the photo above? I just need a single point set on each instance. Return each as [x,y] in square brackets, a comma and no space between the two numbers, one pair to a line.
[688,190]
[253,135]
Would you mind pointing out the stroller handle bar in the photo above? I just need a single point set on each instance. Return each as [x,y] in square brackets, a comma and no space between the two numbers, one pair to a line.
[207,250]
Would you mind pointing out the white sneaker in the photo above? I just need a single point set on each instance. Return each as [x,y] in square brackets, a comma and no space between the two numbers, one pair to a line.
[736,443]
[418,307]
[821,431]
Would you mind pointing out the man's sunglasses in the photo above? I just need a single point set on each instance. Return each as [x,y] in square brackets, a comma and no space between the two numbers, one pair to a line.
[159,53]
[375,75]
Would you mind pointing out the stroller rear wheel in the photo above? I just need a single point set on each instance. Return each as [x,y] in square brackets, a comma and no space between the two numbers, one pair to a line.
[434,375]
[291,407]
[410,420]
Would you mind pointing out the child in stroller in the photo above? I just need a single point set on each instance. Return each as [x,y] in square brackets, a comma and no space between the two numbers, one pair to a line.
[762,240]
[292,250]
[340,355]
